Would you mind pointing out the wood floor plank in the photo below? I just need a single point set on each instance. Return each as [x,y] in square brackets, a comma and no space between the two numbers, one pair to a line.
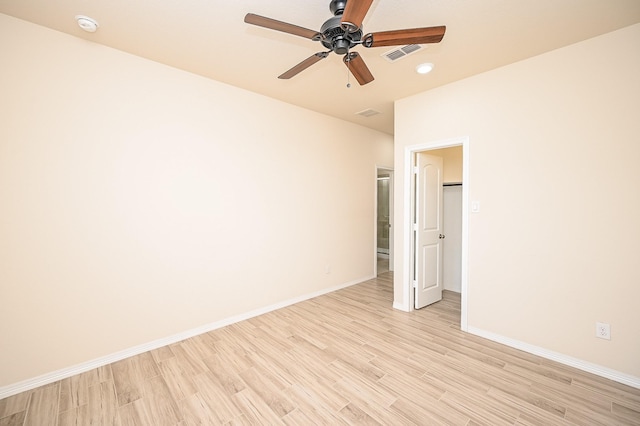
[308,366]
[161,354]
[128,381]
[339,359]
[342,346]
[255,409]
[219,401]
[231,340]
[43,406]
[103,404]
[418,411]
[14,404]
[298,417]
[281,372]
[322,351]
[540,374]
[178,379]
[453,381]
[129,376]
[271,394]
[196,412]
[326,393]
[162,409]
[355,388]
[134,414]
[534,406]
[626,414]
[317,403]
[200,347]
[396,362]
[15,419]
[74,392]
[229,379]
[573,397]
[409,386]
[241,420]
[99,375]
[608,388]
[590,418]
[189,354]
[480,409]
[101,408]
[351,367]
[355,415]
[526,419]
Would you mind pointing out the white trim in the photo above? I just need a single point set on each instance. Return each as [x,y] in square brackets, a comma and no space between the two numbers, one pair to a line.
[407,226]
[464,271]
[54,376]
[400,307]
[409,151]
[561,358]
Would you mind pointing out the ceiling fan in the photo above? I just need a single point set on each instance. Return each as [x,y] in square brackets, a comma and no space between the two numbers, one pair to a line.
[342,32]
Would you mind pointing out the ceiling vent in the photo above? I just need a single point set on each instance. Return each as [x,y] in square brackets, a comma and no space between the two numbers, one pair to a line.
[401,52]
[368,112]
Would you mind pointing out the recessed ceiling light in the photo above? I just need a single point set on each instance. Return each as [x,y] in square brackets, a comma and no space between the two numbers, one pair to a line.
[88,24]
[424,68]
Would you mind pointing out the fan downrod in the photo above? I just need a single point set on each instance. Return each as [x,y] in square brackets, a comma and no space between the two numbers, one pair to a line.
[337,7]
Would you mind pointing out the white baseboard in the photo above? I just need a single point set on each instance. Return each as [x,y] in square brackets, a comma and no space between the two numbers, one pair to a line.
[45,379]
[561,358]
[401,307]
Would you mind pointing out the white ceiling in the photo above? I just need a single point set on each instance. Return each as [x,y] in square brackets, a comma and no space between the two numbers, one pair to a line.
[209,38]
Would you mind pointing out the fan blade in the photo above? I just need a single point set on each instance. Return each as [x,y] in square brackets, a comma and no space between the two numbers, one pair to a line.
[358,68]
[401,37]
[273,24]
[304,65]
[354,13]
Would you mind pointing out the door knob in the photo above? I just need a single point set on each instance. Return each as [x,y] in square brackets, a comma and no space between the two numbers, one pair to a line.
[441,237]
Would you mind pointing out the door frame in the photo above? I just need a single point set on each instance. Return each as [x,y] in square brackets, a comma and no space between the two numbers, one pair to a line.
[375,219]
[407,228]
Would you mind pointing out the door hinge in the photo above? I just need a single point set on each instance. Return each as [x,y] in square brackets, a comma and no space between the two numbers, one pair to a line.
[414,226]
[415,284]
[415,170]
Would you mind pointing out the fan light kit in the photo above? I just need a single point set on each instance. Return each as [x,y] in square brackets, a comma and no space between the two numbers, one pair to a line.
[343,32]
[87,24]
[424,68]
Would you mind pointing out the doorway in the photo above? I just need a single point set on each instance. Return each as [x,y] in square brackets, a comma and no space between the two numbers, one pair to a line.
[383,232]
[409,264]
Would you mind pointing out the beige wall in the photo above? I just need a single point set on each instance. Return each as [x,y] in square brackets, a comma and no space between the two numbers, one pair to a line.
[139,201]
[451,163]
[554,158]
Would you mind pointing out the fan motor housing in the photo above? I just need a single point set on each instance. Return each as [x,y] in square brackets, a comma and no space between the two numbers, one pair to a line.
[336,38]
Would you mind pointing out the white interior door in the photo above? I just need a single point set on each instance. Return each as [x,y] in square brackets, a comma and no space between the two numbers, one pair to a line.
[429,230]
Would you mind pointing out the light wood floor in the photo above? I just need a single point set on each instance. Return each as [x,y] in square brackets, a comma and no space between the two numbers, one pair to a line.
[343,358]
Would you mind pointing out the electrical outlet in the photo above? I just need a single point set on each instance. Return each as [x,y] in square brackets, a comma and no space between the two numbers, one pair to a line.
[603,330]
